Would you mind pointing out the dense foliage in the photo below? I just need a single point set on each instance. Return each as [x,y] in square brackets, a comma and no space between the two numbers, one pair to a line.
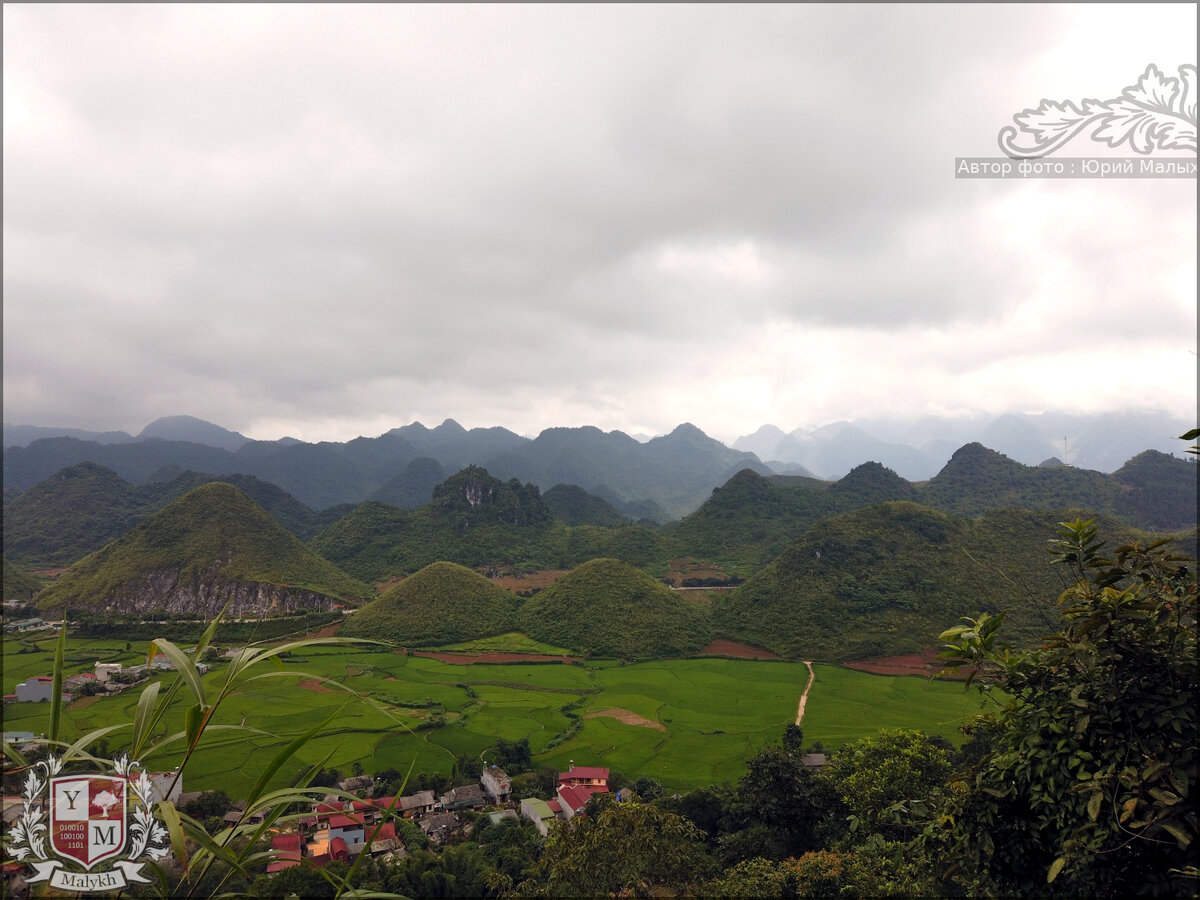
[441,604]
[572,505]
[81,508]
[20,584]
[507,528]
[871,582]
[608,608]
[1089,785]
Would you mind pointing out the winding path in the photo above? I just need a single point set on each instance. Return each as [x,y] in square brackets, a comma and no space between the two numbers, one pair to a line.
[812,676]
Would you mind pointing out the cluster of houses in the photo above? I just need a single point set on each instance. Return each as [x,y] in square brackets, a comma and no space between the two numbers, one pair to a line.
[341,829]
[41,687]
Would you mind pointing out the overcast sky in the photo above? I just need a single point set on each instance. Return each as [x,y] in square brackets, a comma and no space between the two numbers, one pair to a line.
[327,221]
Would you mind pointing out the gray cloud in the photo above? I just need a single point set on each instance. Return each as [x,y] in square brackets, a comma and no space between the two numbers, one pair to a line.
[334,219]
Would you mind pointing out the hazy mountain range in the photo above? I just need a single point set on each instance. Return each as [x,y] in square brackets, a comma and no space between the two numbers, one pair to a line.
[917,450]
[660,478]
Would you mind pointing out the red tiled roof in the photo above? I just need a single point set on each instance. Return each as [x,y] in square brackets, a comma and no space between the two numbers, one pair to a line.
[385,832]
[555,806]
[577,796]
[286,842]
[585,773]
[337,849]
[345,821]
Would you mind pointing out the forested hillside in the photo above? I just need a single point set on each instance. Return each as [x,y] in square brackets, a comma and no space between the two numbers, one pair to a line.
[210,546]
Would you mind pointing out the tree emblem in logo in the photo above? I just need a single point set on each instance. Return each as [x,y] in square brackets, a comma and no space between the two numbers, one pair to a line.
[1157,113]
[85,821]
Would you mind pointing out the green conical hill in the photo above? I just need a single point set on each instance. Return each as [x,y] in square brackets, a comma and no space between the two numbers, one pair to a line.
[608,608]
[442,604]
[214,544]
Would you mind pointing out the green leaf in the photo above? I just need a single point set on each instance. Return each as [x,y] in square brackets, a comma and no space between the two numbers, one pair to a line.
[15,755]
[170,816]
[185,666]
[60,650]
[1178,832]
[287,753]
[1055,868]
[1093,807]
[193,722]
[1164,796]
[142,719]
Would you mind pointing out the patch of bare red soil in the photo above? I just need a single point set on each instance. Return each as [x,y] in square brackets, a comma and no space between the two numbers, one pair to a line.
[722,647]
[923,663]
[626,717]
[314,685]
[494,656]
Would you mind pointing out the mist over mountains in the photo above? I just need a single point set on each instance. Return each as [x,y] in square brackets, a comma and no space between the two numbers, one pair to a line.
[918,449]
[661,478]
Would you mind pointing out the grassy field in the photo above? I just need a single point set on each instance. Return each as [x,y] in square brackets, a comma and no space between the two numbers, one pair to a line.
[688,723]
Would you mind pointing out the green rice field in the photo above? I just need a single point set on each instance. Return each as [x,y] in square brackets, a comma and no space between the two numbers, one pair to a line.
[687,722]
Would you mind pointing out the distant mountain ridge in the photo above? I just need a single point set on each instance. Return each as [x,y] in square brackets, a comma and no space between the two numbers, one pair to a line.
[917,450]
[673,473]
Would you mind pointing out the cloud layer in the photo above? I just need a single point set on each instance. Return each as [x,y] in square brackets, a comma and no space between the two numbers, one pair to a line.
[327,221]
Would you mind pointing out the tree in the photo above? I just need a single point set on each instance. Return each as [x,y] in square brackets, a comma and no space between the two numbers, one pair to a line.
[783,809]
[793,739]
[891,782]
[647,788]
[624,849]
[1087,787]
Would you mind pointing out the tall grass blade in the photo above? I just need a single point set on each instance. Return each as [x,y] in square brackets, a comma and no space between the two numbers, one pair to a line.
[186,667]
[143,719]
[287,753]
[60,651]
[170,816]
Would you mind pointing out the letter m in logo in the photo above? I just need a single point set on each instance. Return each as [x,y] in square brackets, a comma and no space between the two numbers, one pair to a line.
[87,818]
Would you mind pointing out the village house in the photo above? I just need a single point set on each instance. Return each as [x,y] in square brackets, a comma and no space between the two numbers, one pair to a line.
[573,798]
[105,671]
[584,776]
[418,804]
[361,785]
[439,826]
[469,796]
[38,689]
[26,625]
[78,682]
[496,784]
[539,813]
[288,850]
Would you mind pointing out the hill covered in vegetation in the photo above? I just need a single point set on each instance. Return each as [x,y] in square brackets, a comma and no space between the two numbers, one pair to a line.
[886,579]
[608,608]
[442,604]
[81,508]
[480,522]
[210,546]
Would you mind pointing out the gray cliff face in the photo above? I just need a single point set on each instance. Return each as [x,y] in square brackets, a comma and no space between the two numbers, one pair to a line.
[207,595]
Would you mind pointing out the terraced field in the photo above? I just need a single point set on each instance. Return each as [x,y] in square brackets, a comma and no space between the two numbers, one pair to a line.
[687,722]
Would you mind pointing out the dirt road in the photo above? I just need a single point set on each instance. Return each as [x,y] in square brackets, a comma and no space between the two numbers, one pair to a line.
[804,697]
